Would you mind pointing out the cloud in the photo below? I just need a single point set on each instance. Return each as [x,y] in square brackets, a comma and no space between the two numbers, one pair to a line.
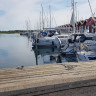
[16,12]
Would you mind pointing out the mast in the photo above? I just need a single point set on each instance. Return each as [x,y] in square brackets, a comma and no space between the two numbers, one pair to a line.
[50,15]
[42,18]
[90,8]
[73,4]
[27,27]
[40,21]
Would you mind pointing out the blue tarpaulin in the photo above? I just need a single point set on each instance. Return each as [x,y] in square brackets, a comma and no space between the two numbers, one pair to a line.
[43,33]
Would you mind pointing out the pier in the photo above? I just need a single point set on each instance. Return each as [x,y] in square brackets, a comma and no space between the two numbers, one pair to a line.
[63,79]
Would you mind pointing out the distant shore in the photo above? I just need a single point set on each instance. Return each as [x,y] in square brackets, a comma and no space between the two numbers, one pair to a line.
[15,31]
[9,32]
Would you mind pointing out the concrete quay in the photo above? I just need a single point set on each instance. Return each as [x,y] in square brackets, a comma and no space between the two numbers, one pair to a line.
[65,79]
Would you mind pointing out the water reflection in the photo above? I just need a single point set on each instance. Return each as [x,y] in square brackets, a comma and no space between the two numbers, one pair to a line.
[52,56]
[16,50]
[3,52]
[46,55]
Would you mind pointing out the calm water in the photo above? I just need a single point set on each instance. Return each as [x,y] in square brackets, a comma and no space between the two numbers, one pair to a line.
[16,50]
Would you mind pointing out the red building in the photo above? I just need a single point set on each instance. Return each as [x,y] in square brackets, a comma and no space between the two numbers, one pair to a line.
[81,26]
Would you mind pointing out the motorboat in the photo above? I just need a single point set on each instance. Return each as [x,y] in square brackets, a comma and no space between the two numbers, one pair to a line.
[86,56]
[46,42]
[51,42]
[75,42]
[24,33]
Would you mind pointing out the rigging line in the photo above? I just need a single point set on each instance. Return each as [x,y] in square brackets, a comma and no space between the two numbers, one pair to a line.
[50,15]
[42,17]
[91,8]
[53,19]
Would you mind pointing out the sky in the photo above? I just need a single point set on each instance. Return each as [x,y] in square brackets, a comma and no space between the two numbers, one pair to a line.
[17,14]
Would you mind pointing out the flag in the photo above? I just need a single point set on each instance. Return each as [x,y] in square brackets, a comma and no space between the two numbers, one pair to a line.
[90,21]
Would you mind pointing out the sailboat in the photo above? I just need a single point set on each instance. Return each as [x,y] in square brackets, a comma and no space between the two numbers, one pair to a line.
[28,29]
[53,39]
[75,40]
[42,39]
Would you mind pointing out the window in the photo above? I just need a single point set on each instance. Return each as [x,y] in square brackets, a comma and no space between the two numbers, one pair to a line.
[80,38]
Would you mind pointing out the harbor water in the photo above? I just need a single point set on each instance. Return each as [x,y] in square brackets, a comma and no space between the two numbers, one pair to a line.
[16,50]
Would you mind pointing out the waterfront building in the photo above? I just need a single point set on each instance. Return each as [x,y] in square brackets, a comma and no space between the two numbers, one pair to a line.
[81,26]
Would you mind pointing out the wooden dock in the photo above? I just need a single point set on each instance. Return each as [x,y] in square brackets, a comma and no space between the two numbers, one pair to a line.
[65,79]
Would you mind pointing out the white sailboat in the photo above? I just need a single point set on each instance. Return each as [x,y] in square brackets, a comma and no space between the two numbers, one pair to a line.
[50,40]
[88,40]
[77,39]
[69,48]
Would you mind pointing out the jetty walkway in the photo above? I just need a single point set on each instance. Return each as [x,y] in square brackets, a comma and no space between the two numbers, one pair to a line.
[65,79]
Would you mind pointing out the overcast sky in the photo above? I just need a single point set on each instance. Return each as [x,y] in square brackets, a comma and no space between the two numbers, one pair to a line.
[15,13]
